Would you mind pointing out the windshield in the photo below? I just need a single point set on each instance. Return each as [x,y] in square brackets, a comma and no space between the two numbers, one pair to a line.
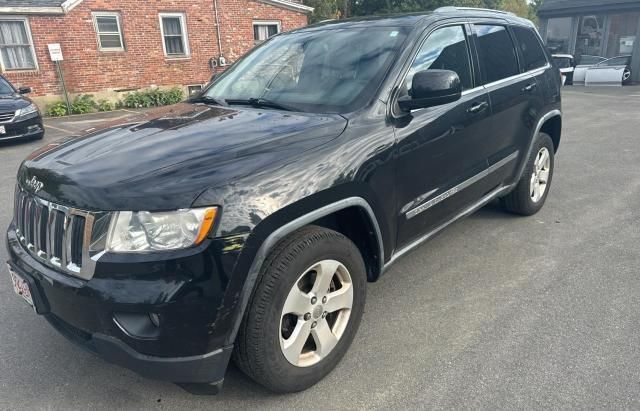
[323,71]
[5,87]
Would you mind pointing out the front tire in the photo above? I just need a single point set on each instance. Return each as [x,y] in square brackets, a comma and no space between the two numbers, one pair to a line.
[304,312]
[531,191]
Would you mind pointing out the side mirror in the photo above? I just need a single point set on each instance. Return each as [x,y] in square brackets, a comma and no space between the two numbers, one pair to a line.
[24,90]
[432,88]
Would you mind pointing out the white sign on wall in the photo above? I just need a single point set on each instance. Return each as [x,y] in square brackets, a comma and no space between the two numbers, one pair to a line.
[55,51]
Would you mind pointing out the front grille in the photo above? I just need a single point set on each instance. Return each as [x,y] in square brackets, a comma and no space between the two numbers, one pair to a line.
[56,235]
[7,116]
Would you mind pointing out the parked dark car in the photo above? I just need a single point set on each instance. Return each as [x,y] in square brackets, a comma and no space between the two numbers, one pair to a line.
[246,223]
[19,116]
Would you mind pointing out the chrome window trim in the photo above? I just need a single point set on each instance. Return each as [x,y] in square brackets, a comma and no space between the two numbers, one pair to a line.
[521,76]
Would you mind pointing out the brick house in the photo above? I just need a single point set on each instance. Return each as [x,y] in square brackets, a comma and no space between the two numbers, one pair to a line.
[114,46]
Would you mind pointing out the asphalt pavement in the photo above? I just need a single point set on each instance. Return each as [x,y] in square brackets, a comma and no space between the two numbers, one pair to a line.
[496,312]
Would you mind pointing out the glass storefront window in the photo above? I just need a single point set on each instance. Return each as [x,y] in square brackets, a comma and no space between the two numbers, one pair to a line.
[558,33]
[622,34]
[590,38]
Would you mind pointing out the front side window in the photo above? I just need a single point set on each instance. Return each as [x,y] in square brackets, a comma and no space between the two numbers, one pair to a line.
[445,49]
[530,48]
[109,31]
[496,52]
[174,34]
[16,46]
[313,70]
[263,30]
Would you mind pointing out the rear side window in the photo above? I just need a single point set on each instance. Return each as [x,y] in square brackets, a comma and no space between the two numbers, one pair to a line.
[445,49]
[497,54]
[532,53]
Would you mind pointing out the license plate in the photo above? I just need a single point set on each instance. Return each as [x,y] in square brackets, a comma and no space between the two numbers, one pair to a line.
[3,130]
[21,287]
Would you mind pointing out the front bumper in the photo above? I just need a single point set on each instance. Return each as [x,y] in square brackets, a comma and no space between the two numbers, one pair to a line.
[29,128]
[106,315]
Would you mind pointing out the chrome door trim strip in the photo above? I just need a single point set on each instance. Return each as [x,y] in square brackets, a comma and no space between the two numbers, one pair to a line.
[467,211]
[440,198]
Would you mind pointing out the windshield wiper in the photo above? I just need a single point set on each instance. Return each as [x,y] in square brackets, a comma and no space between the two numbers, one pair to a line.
[206,100]
[262,102]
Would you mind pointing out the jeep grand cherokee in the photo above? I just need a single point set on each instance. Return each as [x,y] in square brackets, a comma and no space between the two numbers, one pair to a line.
[246,222]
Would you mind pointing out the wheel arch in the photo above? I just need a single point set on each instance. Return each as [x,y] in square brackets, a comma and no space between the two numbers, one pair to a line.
[332,216]
[553,127]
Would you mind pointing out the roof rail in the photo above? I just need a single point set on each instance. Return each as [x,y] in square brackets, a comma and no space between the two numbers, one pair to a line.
[453,8]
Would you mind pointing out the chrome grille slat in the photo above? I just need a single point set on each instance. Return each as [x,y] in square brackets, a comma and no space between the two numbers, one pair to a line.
[66,240]
[50,233]
[7,116]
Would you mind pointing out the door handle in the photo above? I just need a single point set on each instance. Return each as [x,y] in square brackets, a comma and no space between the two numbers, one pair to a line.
[530,87]
[478,107]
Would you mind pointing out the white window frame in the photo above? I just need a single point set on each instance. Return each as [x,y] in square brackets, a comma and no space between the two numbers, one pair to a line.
[185,35]
[94,16]
[265,23]
[25,20]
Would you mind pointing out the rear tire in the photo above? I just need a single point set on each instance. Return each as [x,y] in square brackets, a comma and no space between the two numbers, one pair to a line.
[531,191]
[310,295]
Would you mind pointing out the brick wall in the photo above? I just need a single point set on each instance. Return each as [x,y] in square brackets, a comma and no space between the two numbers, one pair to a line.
[143,63]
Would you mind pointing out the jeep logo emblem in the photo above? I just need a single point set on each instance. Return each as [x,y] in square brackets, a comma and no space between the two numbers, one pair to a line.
[35,184]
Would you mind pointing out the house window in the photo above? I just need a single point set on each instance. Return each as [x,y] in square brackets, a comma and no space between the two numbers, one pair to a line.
[16,45]
[109,31]
[174,34]
[262,30]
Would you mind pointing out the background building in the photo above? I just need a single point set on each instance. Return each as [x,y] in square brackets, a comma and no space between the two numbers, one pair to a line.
[114,46]
[606,28]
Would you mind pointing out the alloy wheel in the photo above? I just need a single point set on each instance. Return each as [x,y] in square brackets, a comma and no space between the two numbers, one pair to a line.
[540,175]
[316,313]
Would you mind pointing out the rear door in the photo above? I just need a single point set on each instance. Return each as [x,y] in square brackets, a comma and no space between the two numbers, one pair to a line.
[510,90]
[441,150]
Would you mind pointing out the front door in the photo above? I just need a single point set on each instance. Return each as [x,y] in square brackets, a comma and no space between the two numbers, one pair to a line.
[442,151]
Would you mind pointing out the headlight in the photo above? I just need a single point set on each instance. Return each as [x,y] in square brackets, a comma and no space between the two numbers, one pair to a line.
[141,231]
[30,109]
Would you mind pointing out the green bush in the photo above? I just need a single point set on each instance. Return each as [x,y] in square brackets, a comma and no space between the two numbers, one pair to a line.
[153,97]
[83,104]
[104,105]
[57,109]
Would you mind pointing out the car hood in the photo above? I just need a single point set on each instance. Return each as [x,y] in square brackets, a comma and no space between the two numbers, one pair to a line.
[164,159]
[12,102]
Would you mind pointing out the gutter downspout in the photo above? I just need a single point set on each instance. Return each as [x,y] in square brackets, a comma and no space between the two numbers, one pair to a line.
[221,61]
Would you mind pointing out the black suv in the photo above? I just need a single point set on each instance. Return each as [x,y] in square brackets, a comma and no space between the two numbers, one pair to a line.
[246,222]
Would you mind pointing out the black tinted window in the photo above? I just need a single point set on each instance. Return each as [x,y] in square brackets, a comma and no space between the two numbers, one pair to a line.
[445,49]
[497,55]
[531,49]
